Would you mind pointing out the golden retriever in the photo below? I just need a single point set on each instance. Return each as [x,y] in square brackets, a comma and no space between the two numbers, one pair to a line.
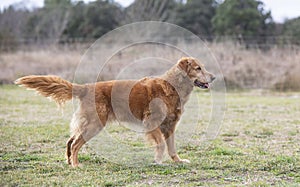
[156,104]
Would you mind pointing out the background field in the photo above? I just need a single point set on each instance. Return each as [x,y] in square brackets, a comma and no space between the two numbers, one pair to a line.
[275,69]
[258,145]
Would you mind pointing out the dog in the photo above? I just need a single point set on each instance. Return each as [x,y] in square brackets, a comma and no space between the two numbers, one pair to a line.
[154,103]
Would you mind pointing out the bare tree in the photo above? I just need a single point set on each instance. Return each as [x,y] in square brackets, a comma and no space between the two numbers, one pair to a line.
[55,22]
[12,22]
[150,10]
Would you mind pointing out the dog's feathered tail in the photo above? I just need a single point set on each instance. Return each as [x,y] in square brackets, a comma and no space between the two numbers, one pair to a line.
[52,87]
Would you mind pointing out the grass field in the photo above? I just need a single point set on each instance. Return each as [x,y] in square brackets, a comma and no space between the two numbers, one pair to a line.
[258,145]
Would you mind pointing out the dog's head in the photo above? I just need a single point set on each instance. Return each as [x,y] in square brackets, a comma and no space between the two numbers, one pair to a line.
[196,72]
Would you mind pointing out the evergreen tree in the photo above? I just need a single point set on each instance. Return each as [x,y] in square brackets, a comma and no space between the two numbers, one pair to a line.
[94,19]
[291,31]
[246,20]
[196,16]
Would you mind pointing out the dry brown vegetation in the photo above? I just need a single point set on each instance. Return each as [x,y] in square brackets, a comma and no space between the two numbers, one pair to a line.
[57,62]
[277,68]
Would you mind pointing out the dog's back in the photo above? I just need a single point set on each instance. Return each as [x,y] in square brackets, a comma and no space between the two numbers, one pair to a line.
[131,100]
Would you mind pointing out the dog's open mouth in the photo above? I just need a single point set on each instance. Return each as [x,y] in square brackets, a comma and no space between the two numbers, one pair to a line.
[201,85]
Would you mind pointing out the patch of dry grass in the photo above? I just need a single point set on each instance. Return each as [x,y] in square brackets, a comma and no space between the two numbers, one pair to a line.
[277,68]
[57,62]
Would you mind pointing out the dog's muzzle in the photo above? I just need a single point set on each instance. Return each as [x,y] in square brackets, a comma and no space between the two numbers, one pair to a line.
[201,84]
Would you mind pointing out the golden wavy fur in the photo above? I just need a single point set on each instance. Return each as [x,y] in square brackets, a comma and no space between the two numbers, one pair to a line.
[155,104]
[52,87]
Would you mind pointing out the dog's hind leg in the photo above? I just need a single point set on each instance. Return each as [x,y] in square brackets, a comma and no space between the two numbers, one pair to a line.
[85,129]
[91,130]
[75,147]
[68,150]
[85,125]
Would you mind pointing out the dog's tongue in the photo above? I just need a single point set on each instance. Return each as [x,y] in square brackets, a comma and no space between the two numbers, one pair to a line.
[206,85]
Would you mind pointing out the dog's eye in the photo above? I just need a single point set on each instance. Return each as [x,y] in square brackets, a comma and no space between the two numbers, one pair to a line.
[199,68]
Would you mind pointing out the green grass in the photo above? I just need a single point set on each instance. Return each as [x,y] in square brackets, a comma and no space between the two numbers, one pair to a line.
[258,145]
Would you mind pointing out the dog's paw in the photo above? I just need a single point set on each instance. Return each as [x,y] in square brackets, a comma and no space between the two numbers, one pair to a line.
[157,162]
[68,162]
[185,161]
[78,166]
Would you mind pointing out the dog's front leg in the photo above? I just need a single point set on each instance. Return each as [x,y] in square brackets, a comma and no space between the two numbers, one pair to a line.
[172,150]
[159,153]
[158,139]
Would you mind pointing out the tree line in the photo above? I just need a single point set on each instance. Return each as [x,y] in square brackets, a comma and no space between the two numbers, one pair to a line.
[244,21]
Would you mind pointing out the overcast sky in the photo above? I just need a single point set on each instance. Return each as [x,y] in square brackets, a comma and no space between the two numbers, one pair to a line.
[281,9]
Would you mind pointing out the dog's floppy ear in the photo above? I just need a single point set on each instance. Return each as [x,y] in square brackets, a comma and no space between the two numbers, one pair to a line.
[184,64]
